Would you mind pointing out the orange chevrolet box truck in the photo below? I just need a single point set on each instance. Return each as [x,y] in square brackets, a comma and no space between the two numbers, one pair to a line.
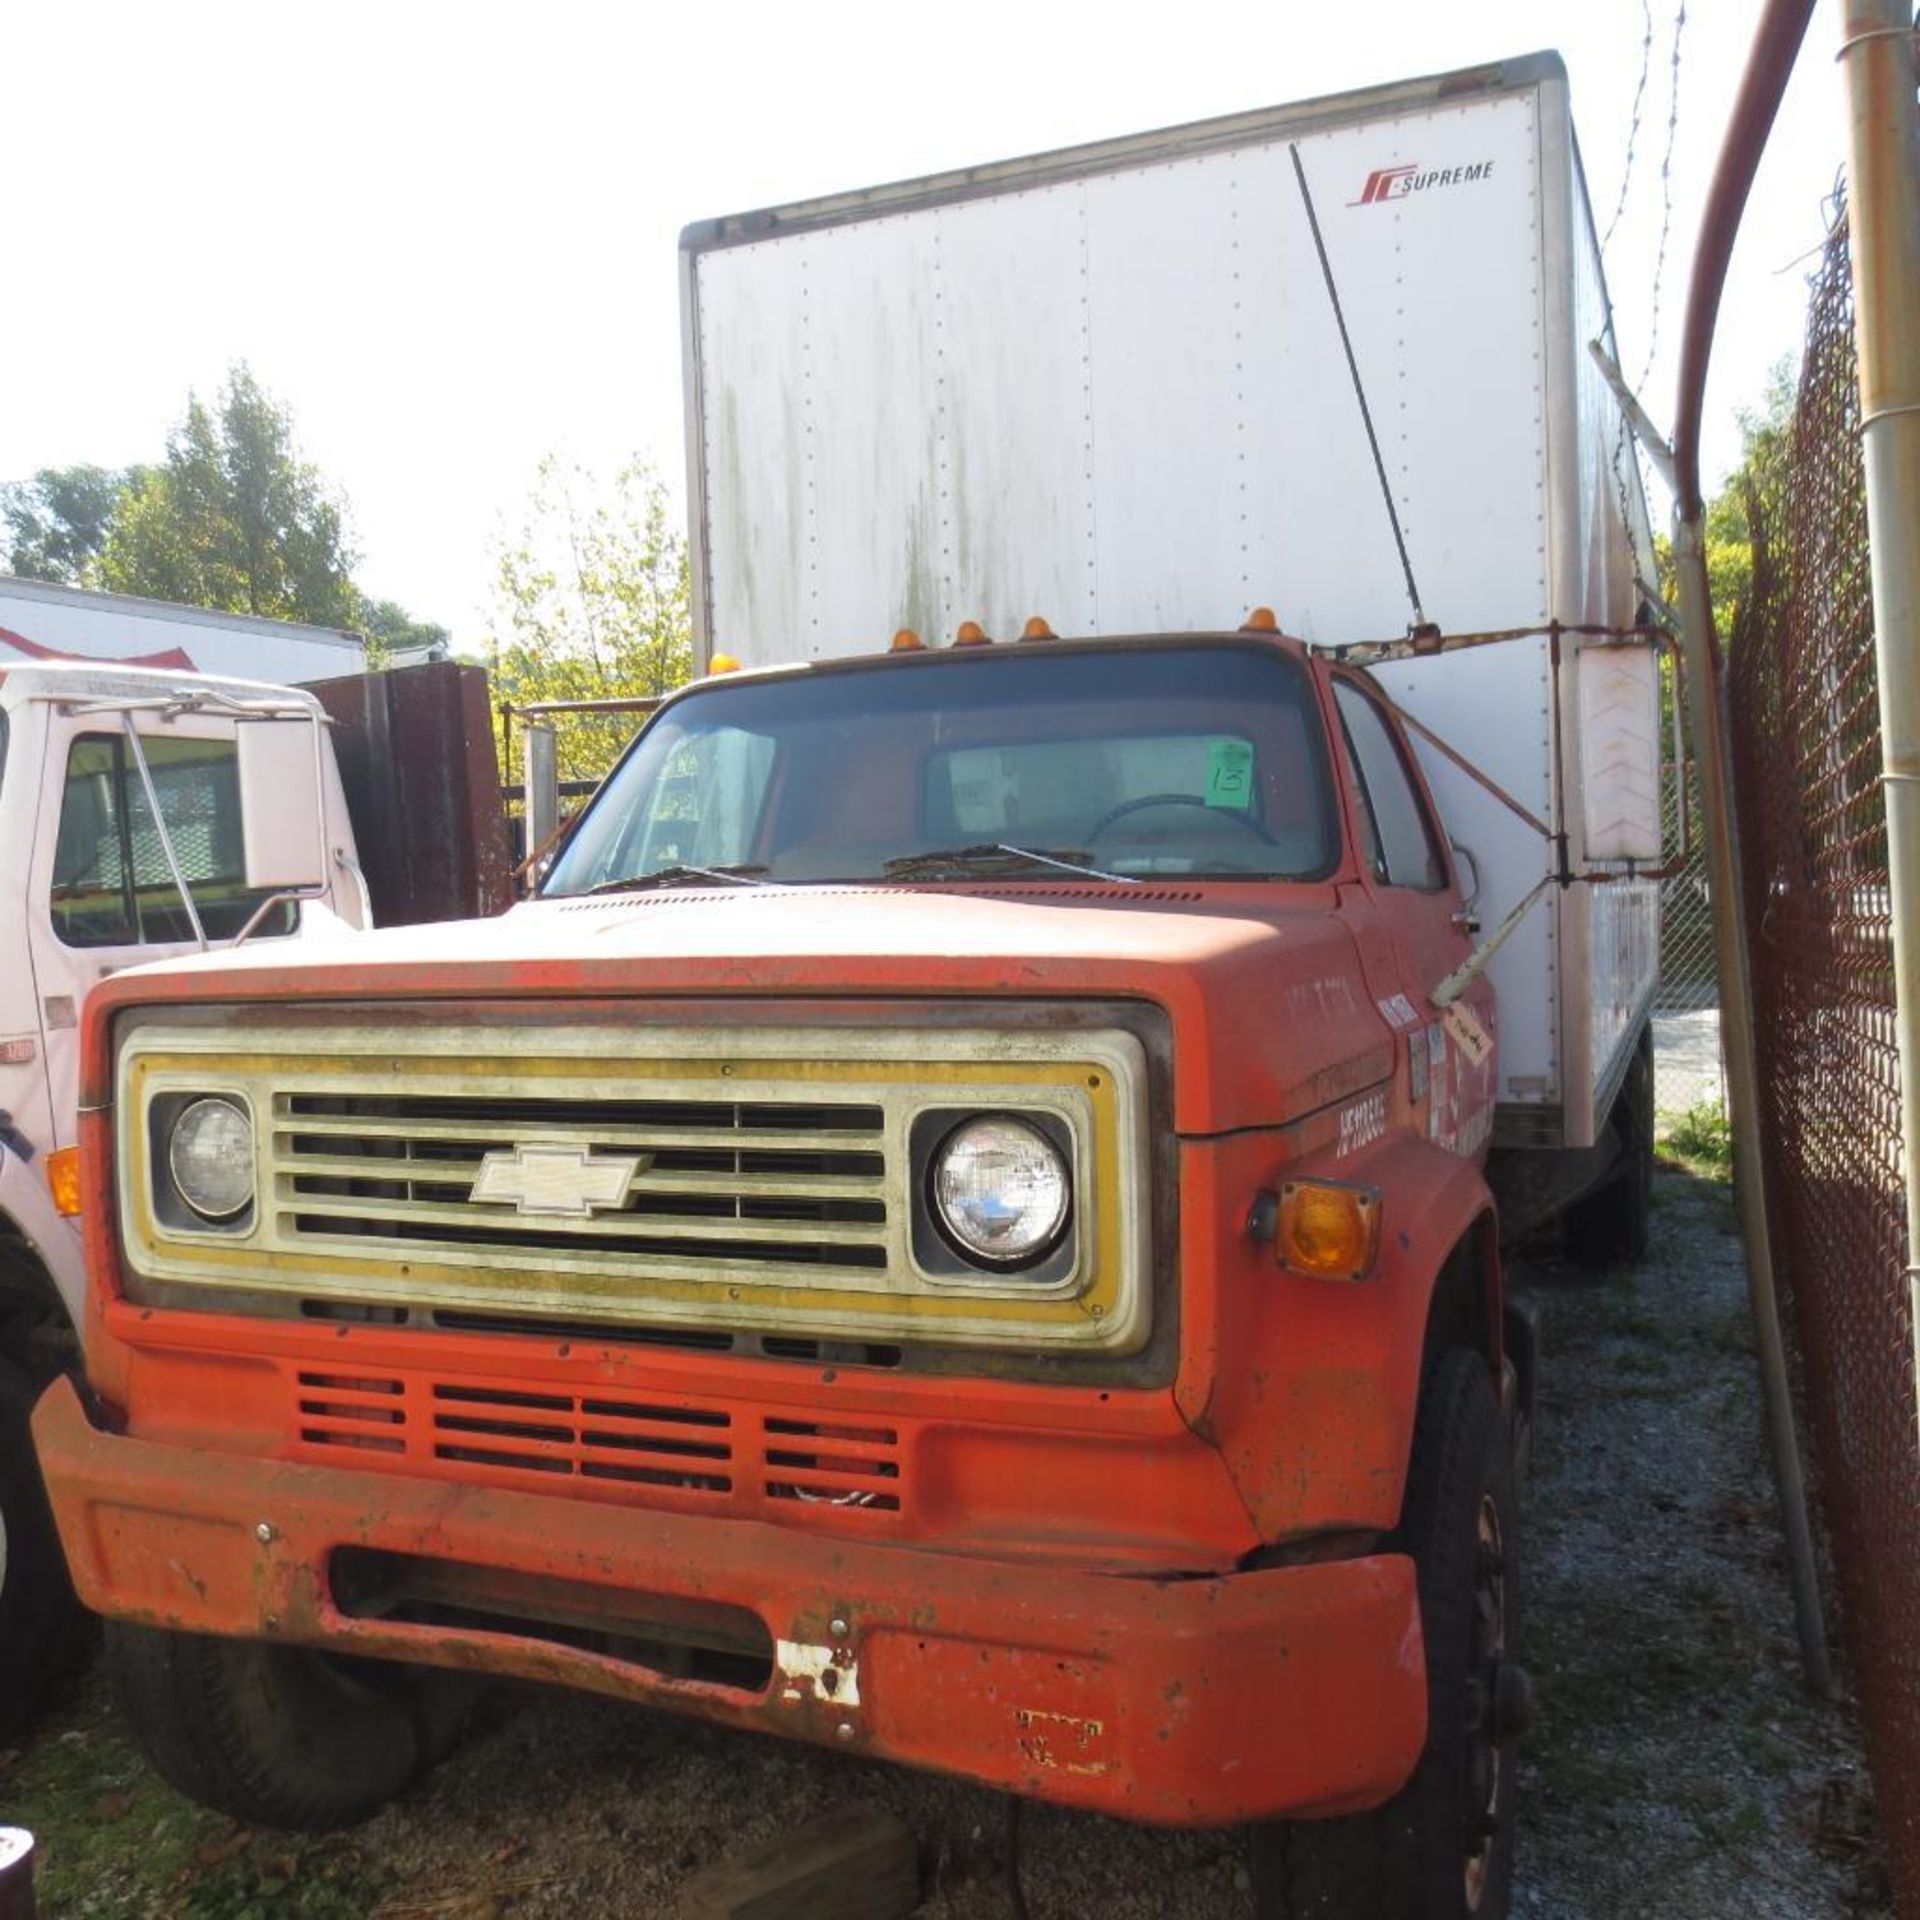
[964,1221]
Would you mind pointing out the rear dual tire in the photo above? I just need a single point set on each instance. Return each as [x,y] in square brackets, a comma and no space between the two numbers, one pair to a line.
[1614,1223]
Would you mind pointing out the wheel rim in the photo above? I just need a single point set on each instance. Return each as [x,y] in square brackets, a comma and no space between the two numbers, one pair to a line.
[1486,1652]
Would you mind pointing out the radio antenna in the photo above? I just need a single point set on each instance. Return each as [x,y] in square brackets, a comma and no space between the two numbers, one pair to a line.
[1359,389]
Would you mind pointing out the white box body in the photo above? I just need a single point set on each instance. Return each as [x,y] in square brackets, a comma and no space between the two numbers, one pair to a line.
[1107,386]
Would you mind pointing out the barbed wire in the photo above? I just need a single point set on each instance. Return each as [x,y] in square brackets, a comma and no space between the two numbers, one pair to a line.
[1633,123]
[1666,192]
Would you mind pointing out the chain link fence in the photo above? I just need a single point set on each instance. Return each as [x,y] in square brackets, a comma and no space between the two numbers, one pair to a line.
[1806,745]
[1688,1072]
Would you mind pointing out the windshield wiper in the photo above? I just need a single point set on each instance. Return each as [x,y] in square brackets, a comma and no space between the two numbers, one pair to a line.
[741,874]
[996,856]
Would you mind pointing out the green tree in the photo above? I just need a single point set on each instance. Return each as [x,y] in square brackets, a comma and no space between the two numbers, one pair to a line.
[56,523]
[391,629]
[1748,512]
[234,519]
[591,601]
[1747,516]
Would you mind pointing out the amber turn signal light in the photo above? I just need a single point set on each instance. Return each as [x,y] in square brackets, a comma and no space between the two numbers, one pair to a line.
[63,1179]
[1328,1230]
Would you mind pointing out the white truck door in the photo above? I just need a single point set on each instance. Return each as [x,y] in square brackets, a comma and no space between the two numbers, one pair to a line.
[101,895]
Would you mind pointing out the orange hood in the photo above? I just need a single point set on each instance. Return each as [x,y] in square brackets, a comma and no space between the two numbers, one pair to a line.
[1271,1016]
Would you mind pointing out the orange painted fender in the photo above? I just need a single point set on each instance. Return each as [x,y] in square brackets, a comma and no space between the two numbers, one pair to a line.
[1309,1387]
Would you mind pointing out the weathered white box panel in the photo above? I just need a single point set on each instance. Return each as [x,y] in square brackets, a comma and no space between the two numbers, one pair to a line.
[1108,387]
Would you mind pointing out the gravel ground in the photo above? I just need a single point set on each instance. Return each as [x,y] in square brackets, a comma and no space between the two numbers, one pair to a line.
[1676,1765]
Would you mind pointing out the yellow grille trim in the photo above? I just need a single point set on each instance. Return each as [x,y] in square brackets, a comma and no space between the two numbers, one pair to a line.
[1095,1081]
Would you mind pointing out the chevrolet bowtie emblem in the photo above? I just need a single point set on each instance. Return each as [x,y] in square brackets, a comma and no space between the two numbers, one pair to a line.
[574,1181]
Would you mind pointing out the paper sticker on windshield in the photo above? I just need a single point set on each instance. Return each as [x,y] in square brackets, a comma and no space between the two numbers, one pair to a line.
[1230,774]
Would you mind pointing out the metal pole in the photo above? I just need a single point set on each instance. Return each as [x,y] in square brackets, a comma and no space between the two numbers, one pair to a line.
[1776,45]
[1705,699]
[1883,236]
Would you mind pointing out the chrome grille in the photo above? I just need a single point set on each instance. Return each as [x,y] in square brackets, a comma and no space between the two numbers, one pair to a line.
[760,1182]
[702,1183]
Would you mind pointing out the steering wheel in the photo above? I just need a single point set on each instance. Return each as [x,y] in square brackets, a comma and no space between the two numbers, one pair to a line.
[1112,814]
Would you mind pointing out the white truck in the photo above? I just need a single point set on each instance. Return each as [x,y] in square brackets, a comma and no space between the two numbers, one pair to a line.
[139,813]
[39,621]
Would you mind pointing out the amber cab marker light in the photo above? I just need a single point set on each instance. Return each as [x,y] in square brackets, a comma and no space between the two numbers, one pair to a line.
[723,663]
[63,1179]
[971,634]
[907,641]
[1260,620]
[1037,629]
[1328,1230]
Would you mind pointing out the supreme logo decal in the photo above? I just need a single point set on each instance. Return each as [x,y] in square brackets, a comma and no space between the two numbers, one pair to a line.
[1402,183]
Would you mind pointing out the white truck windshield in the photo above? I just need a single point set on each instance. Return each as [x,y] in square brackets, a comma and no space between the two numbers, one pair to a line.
[1196,759]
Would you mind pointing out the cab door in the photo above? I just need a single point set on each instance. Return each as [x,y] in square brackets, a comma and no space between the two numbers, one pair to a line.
[100,894]
[1410,873]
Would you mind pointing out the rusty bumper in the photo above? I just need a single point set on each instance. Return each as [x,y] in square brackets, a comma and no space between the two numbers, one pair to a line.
[1176,1701]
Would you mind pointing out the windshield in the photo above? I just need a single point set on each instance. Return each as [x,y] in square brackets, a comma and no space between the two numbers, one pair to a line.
[1202,759]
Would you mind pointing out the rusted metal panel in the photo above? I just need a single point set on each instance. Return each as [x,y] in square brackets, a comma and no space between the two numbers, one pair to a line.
[417,759]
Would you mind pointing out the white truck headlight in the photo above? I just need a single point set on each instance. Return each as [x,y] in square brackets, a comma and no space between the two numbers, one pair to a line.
[1001,1190]
[210,1155]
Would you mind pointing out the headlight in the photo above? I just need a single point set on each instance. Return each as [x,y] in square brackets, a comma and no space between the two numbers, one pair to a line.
[210,1154]
[1001,1190]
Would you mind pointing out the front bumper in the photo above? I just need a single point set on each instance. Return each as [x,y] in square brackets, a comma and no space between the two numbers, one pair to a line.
[1191,1702]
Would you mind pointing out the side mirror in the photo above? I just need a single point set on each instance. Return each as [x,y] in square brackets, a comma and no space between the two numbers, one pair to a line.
[282,805]
[1470,880]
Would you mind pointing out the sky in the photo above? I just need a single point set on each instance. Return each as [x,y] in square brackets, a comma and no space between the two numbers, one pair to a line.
[446,237]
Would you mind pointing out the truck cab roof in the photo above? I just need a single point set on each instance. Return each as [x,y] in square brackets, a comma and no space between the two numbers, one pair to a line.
[104,680]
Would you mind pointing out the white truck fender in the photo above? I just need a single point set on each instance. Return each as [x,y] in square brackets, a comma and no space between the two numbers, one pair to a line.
[27,1208]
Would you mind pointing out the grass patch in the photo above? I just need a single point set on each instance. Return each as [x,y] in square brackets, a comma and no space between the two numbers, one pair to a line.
[114,1840]
[1701,1140]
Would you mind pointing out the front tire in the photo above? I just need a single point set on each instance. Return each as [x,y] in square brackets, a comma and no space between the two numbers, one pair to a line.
[42,1625]
[274,1735]
[1442,1848]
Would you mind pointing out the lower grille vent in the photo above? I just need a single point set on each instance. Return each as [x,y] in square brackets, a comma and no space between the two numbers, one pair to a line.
[552,1433]
[349,1410]
[833,1466]
[739,1461]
